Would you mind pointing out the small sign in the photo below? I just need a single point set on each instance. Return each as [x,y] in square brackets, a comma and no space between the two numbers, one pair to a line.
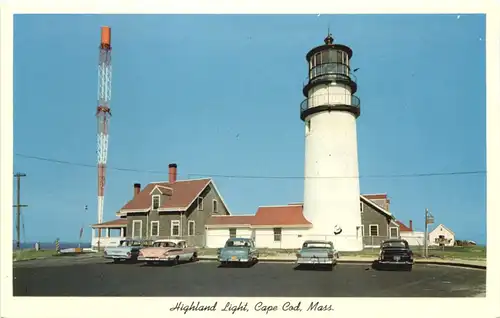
[430,220]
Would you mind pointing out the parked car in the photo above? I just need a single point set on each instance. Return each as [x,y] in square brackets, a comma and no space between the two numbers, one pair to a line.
[395,253]
[127,250]
[168,250]
[238,250]
[317,253]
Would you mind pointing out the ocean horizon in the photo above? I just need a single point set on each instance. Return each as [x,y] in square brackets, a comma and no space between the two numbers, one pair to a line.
[52,245]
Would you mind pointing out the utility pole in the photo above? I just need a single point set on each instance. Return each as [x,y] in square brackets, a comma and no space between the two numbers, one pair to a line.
[19,206]
[429,219]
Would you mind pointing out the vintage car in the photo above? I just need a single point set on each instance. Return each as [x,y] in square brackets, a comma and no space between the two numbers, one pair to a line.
[317,253]
[168,250]
[395,253]
[238,250]
[127,250]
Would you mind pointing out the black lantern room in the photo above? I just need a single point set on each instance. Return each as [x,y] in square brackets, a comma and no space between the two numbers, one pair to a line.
[329,64]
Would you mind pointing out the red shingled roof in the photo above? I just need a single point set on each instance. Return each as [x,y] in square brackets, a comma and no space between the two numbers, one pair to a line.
[230,220]
[403,228]
[375,196]
[283,215]
[117,223]
[280,215]
[182,194]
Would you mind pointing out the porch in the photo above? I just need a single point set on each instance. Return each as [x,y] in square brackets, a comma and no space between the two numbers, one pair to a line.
[112,232]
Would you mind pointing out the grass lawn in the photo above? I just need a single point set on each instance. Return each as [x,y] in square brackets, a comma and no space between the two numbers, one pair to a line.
[457,252]
[27,254]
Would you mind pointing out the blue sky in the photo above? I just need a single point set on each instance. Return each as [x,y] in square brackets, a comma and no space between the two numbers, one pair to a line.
[220,95]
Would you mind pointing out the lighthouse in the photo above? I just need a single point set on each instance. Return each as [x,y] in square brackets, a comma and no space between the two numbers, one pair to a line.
[329,112]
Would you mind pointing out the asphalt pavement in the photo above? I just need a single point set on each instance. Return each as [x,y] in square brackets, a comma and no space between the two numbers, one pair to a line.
[97,277]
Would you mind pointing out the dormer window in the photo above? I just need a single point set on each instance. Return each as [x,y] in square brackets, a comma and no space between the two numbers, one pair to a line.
[200,203]
[155,204]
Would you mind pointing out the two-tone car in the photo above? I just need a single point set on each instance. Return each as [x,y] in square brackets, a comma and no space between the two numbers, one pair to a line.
[395,253]
[168,251]
[238,251]
[317,253]
[127,250]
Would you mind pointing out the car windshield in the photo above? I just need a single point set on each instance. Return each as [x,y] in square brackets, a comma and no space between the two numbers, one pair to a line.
[394,244]
[130,243]
[237,243]
[317,245]
[163,244]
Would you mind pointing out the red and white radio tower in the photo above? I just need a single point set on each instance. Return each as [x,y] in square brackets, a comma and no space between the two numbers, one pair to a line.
[103,115]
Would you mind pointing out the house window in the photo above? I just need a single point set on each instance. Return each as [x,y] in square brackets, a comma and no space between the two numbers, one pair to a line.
[232,233]
[361,207]
[200,204]
[155,227]
[175,226]
[373,229]
[215,206]
[393,232]
[191,228]
[277,234]
[137,228]
[156,202]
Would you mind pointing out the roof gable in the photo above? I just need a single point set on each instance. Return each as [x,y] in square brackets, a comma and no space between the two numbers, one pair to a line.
[376,207]
[183,193]
[444,227]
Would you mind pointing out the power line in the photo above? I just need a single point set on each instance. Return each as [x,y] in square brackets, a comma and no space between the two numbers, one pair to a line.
[198,175]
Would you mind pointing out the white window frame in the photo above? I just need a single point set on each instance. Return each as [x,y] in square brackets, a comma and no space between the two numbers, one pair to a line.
[370,229]
[174,223]
[194,227]
[279,236]
[157,228]
[215,206]
[153,201]
[390,232]
[235,232]
[199,201]
[134,222]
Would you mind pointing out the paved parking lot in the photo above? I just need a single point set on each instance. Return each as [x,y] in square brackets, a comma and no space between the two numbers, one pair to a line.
[100,278]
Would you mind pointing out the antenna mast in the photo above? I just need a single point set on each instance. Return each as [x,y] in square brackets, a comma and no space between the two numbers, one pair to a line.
[103,115]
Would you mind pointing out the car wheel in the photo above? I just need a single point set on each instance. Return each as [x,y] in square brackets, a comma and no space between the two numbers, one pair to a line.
[409,268]
[194,257]
[116,260]
[176,260]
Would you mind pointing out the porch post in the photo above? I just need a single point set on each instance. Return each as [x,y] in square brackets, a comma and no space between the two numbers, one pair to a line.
[107,232]
[121,232]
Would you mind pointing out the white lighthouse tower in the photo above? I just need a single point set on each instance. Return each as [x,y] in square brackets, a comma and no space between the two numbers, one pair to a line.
[330,110]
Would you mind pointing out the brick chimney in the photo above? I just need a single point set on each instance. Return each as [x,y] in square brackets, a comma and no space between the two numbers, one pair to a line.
[411,225]
[172,173]
[137,188]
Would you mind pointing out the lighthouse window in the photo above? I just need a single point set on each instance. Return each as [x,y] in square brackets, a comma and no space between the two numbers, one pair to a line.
[317,59]
[308,126]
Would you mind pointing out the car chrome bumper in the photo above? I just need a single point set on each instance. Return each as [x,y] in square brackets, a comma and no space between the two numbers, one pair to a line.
[233,260]
[314,261]
[117,256]
[396,262]
[155,259]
